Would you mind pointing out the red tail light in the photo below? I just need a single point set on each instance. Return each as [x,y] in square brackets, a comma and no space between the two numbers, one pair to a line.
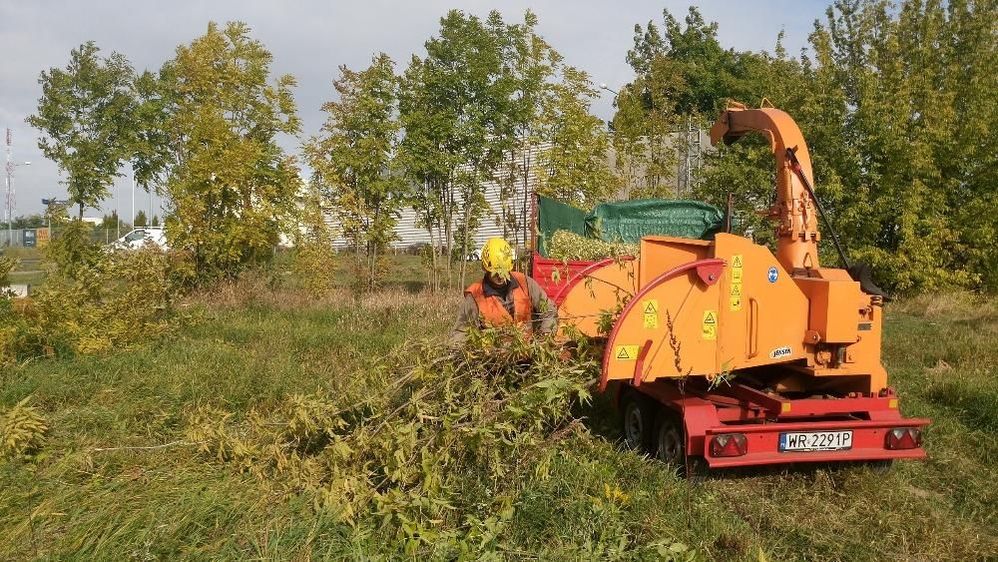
[728,445]
[904,438]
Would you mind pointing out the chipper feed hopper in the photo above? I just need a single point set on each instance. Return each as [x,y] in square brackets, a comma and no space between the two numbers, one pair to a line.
[725,351]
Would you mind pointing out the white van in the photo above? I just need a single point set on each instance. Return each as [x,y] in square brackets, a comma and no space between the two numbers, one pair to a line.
[140,237]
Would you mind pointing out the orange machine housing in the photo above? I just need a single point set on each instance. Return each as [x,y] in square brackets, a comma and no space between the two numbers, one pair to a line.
[709,308]
[759,308]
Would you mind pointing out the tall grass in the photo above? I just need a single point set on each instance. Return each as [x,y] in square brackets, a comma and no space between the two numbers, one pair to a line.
[118,477]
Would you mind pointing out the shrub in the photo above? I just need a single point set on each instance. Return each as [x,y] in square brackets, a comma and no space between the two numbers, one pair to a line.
[6,266]
[314,259]
[314,265]
[92,300]
[22,430]
[399,460]
[11,324]
[119,299]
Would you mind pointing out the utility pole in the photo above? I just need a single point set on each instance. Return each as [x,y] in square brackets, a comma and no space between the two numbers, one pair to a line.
[117,213]
[10,194]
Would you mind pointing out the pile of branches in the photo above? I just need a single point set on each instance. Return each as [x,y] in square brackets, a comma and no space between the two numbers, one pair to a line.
[569,246]
[437,452]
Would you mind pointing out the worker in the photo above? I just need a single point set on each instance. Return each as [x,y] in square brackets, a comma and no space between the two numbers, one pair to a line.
[504,297]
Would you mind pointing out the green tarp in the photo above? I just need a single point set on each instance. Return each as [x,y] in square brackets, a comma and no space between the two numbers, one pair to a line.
[552,216]
[628,221]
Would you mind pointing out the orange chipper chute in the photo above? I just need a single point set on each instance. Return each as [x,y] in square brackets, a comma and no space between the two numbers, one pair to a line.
[798,234]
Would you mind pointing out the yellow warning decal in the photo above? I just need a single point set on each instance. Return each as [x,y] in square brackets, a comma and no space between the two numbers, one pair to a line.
[708,329]
[650,308]
[735,301]
[625,352]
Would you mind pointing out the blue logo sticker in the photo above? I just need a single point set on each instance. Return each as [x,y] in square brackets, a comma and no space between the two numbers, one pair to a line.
[773,275]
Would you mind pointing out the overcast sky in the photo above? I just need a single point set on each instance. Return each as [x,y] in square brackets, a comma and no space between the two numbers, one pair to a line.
[310,39]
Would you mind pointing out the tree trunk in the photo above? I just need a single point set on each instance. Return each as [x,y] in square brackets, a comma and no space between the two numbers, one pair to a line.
[468,195]
[448,219]
[526,162]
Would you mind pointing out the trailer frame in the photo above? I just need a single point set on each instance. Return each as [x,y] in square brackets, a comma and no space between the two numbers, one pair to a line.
[759,418]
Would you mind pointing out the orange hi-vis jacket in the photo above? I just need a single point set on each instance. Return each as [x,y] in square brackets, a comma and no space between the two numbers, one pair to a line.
[492,310]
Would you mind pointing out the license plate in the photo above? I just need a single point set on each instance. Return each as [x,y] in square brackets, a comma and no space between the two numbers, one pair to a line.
[816,441]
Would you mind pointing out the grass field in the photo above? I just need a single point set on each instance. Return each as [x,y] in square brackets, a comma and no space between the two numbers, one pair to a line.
[116,479]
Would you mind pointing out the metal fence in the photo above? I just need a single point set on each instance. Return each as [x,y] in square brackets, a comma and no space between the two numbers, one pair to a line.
[11,238]
[38,237]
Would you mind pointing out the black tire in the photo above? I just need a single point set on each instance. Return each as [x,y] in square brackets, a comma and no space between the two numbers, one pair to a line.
[637,421]
[670,447]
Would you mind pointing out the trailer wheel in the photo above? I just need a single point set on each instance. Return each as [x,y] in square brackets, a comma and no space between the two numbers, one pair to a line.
[669,445]
[638,418]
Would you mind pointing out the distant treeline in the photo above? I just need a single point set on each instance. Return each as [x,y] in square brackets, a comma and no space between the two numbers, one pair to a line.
[897,103]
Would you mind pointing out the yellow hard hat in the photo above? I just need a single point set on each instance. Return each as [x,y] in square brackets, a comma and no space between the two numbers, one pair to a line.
[497,257]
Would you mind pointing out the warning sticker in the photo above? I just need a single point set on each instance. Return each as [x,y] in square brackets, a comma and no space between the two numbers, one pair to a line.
[708,329]
[650,308]
[735,300]
[625,352]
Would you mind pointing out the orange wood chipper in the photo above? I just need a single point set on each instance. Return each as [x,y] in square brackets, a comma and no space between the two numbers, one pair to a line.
[723,350]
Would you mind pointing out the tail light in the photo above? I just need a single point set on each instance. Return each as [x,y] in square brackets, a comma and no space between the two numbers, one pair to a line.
[904,438]
[728,445]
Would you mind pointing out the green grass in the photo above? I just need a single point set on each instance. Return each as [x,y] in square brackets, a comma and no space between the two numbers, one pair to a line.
[250,348]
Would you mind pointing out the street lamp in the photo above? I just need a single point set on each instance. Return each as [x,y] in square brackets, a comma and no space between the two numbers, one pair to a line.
[607,88]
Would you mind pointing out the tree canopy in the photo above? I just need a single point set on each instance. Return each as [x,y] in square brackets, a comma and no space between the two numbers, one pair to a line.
[86,119]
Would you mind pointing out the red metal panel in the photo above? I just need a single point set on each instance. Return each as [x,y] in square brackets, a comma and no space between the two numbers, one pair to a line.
[852,455]
[710,413]
[553,275]
[875,407]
